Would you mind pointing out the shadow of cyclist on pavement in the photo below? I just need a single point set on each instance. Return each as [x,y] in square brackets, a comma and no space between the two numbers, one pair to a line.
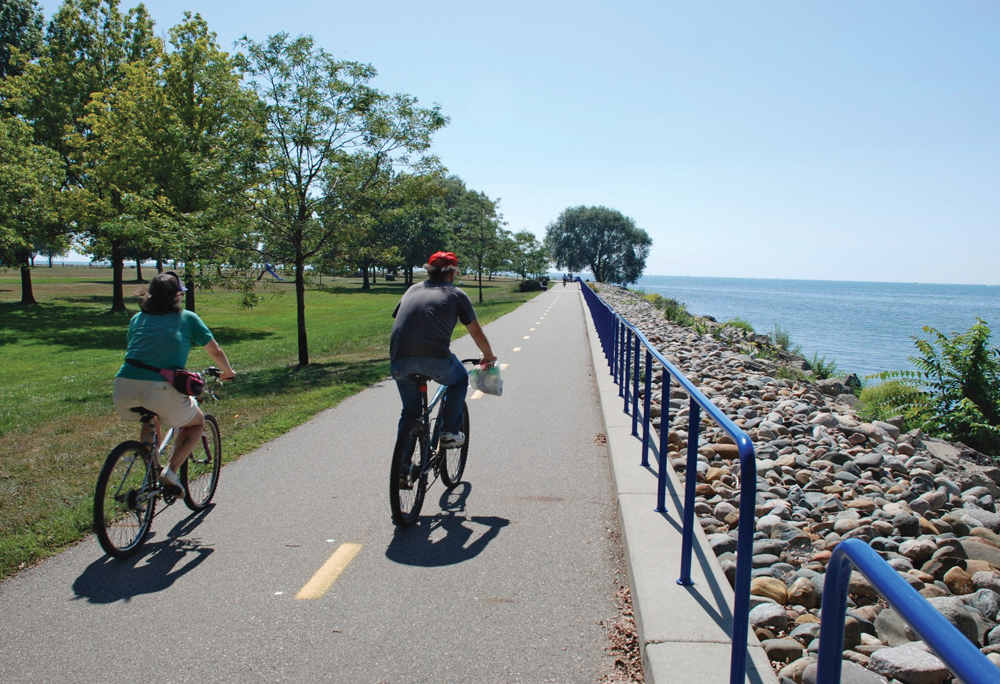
[154,567]
[446,538]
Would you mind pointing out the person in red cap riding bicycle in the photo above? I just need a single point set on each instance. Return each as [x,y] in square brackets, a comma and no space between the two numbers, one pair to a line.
[421,343]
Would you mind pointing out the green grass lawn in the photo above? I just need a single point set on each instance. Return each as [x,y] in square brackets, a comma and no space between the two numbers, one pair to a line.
[58,361]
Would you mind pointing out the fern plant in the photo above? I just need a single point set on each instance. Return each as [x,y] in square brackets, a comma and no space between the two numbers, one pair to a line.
[958,383]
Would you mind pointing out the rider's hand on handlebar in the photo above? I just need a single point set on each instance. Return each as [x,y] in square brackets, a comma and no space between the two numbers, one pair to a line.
[487,361]
[226,377]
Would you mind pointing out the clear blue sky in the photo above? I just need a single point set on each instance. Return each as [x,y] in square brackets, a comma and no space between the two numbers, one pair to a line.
[793,139]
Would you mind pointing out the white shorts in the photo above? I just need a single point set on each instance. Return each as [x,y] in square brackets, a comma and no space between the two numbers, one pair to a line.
[173,408]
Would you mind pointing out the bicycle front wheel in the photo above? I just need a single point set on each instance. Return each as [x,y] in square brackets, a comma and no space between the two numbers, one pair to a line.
[453,460]
[125,499]
[407,481]
[200,472]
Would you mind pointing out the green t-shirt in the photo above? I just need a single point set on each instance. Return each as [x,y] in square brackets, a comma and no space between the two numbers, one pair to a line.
[162,341]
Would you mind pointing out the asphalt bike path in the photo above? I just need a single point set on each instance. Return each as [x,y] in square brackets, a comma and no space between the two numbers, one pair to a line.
[297,574]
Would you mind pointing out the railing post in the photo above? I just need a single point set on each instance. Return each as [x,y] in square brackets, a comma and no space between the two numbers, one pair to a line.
[690,478]
[838,576]
[635,388]
[661,472]
[620,328]
[626,365]
[744,562]
[647,403]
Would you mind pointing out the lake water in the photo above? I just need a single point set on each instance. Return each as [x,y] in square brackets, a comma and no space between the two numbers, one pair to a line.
[864,327]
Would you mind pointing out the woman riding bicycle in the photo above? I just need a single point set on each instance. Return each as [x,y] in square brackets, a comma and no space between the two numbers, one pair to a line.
[160,335]
[421,339]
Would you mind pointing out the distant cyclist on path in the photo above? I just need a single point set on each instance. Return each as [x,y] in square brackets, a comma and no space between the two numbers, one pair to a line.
[421,343]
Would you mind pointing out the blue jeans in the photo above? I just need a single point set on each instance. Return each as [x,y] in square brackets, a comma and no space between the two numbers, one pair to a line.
[449,372]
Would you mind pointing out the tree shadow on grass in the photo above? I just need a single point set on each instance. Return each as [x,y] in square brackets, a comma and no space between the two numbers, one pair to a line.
[288,379]
[74,327]
[392,288]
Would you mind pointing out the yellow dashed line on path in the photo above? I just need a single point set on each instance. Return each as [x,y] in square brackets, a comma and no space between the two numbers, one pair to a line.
[517,349]
[527,337]
[325,577]
[503,366]
[476,395]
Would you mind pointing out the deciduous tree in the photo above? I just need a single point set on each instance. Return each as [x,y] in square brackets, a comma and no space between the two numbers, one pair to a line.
[321,113]
[20,34]
[89,45]
[601,240]
[30,177]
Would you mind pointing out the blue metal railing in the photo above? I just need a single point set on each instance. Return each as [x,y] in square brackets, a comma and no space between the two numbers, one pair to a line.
[954,648]
[621,342]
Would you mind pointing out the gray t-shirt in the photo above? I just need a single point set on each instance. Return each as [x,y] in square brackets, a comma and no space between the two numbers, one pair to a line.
[425,318]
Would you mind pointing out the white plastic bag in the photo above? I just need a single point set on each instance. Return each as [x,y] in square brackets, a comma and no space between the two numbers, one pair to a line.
[487,380]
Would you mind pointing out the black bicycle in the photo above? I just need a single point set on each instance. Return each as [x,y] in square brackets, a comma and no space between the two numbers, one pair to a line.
[419,458]
[129,484]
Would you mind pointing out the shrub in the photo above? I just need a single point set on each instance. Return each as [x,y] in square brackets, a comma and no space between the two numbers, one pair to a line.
[530,285]
[783,341]
[673,310]
[893,398]
[786,372]
[957,384]
[734,332]
[821,368]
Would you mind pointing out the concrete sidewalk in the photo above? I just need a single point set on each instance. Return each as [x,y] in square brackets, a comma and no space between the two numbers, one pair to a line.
[683,630]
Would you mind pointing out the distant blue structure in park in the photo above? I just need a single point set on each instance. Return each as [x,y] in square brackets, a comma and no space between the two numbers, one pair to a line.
[268,268]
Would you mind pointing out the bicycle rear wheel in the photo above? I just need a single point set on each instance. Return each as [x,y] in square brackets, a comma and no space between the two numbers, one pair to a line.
[407,482]
[124,500]
[200,472]
[453,460]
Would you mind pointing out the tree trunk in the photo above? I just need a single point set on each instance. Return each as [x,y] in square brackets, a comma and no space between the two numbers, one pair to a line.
[117,285]
[33,259]
[189,284]
[159,265]
[50,261]
[27,293]
[300,307]
[366,284]
[138,271]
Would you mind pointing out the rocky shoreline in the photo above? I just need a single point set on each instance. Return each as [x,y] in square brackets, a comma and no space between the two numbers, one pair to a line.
[927,506]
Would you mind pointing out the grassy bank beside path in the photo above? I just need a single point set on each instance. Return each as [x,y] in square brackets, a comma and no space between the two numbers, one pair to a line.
[58,361]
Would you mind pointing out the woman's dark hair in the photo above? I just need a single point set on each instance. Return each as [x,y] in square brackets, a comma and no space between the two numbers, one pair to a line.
[162,296]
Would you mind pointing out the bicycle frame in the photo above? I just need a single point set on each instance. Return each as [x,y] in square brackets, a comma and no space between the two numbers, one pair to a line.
[157,442]
[428,457]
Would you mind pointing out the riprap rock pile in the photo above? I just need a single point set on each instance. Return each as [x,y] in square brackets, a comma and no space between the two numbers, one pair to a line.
[927,506]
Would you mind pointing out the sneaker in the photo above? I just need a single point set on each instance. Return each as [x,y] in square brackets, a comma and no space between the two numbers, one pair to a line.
[404,480]
[169,479]
[452,440]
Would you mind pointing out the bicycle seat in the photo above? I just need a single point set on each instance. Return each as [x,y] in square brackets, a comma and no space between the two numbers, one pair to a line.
[143,411]
[417,377]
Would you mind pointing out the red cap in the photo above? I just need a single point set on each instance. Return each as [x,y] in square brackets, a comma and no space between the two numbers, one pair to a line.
[443,260]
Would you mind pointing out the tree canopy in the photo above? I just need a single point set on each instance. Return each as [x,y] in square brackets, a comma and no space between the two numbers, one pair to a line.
[332,138]
[601,240]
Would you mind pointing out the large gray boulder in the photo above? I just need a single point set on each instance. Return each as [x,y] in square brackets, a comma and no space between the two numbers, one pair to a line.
[910,664]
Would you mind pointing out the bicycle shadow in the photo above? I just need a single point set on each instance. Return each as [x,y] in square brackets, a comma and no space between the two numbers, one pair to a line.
[445,538]
[153,568]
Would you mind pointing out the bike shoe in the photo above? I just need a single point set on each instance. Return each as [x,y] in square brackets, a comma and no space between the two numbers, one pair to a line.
[452,440]
[171,482]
